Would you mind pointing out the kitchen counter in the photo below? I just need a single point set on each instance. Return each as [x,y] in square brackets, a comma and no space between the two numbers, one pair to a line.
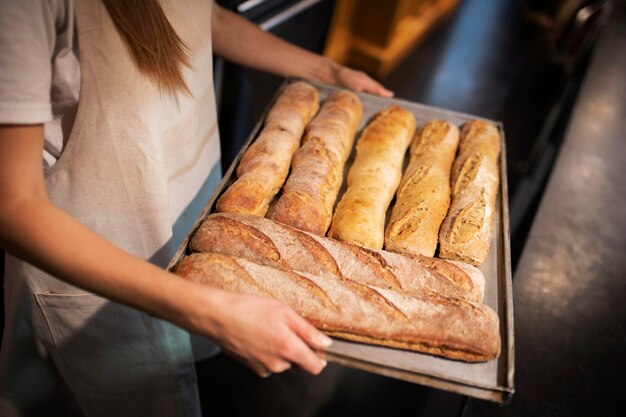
[569,287]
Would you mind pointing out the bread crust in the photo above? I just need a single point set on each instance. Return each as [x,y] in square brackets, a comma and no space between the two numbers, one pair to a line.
[446,327]
[265,164]
[466,231]
[423,197]
[266,242]
[373,178]
[310,192]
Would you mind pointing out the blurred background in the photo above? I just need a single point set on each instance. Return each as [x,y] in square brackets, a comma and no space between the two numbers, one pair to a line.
[521,62]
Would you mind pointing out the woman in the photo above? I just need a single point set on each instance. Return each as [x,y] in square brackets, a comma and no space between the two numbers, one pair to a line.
[118,97]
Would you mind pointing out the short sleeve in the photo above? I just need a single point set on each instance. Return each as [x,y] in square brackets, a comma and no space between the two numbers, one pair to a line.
[27,42]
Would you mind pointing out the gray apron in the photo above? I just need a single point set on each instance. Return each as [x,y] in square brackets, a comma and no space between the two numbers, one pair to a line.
[137,169]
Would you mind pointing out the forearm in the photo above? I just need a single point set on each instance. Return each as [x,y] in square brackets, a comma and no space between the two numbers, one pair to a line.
[264,334]
[44,235]
[240,41]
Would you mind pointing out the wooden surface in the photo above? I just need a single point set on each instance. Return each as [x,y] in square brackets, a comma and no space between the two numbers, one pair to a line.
[376,36]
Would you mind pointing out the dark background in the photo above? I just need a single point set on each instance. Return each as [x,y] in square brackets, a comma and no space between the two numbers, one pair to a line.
[519,62]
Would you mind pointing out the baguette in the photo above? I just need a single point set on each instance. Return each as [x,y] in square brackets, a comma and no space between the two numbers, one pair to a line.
[359,218]
[310,192]
[273,244]
[423,197]
[265,164]
[465,234]
[446,327]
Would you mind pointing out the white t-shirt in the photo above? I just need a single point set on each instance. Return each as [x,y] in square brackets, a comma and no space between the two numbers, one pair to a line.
[39,68]
[40,80]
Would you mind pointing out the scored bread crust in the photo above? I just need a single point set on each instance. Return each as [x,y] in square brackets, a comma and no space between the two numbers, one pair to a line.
[446,327]
[265,164]
[266,242]
[373,178]
[466,231]
[423,197]
[310,192]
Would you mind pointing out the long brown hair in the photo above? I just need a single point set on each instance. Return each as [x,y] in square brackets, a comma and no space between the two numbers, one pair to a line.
[158,51]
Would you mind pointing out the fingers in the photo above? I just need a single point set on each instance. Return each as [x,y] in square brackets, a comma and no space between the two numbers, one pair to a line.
[372,86]
[263,368]
[302,355]
[376,88]
[381,91]
[360,81]
[291,349]
[278,366]
[309,334]
[304,337]
[281,339]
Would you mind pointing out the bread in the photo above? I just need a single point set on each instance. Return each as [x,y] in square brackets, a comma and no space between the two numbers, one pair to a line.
[423,197]
[465,234]
[432,324]
[273,244]
[310,192]
[265,164]
[373,178]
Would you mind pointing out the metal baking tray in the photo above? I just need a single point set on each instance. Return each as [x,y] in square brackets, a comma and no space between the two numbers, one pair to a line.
[491,380]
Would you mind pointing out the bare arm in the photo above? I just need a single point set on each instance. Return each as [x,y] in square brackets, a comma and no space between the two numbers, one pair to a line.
[35,230]
[240,41]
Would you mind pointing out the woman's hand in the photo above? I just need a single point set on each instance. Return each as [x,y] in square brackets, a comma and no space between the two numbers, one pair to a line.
[264,334]
[358,81]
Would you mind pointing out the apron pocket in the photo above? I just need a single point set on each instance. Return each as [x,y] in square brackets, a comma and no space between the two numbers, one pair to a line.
[116,358]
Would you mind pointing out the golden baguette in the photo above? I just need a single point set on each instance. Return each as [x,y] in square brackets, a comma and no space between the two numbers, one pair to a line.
[273,244]
[265,164]
[446,327]
[423,197]
[465,234]
[310,192]
[373,179]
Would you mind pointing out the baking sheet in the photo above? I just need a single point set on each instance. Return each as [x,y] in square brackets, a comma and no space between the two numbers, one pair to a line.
[491,380]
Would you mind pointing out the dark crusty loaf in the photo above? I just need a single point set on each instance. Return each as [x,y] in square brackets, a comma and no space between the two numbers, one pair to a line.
[269,243]
[423,197]
[309,195]
[265,164]
[431,324]
[465,234]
